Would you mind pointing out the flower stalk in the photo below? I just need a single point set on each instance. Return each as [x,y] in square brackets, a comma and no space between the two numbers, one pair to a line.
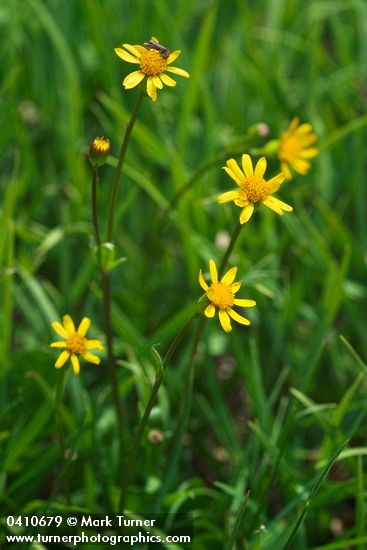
[183,419]
[60,433]
[104,269]
[184,413]
[230,247]
[97,234]
[128,470]
[117,178]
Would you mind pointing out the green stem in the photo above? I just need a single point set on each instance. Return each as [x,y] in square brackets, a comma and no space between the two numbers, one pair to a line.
[60,430]
[230,247]
[107,304]
[107,315]
[97,234]
[192,180]
[128,471]
[188,390]
[183,420]
[235,148]
[116,181]
[175,342]
[111,360]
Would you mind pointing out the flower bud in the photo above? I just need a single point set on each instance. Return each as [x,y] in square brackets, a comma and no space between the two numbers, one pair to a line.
[263,129]
[98,151]
[155,437]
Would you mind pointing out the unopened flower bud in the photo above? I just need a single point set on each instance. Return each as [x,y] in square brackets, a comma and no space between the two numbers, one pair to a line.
[155,437]
[259,129]
[98,151]
[263,129]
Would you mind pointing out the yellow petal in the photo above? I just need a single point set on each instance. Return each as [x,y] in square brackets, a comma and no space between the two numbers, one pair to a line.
[236,287]
[126,56]
[230,276]
[242,200]
[135,50]
[228,197]
[246,213]
[132,79]
[61,360]
[232,164]
[310,153]
[307,140]
[274,183]
[59,329]
[202,281]
[176,70]
[84,326]
[233,175]
[139,48]
[294,123]
[157,82]
[213,271]
[68,324]
[304,128]
[225,320]
[151,89]
[260,167]
[273,206]
[173,56]
[236,317]
[247,165]
[244,303]
[167,80]
[286,171]
[209,311]
[94,344]
[75,363]
[58,345]
[301,166]
[281,204]
[91,358]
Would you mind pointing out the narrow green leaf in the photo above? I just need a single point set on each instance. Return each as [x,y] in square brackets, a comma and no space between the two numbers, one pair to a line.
[315,488]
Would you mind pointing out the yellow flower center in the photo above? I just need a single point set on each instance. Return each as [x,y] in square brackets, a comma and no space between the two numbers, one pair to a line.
[152,63]
[255,188]
[76,343]
[289,148]
[220,295]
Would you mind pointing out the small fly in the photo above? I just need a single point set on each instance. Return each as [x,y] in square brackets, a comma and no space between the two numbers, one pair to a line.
[156,46]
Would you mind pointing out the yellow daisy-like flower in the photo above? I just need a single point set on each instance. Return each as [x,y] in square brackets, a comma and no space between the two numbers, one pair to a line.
[296,146]
[221,296]
[75,343]
[154,60]
[253,188]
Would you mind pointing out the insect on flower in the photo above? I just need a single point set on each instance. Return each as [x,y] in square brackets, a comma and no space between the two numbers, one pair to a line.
[154,61]
[151,44]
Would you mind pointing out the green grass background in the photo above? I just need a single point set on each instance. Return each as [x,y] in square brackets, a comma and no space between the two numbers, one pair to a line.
[272,402]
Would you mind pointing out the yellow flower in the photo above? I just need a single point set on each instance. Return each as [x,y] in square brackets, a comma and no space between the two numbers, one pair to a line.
[75,343]
[221,296]
[154,60]
[295,147]
[253,188]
